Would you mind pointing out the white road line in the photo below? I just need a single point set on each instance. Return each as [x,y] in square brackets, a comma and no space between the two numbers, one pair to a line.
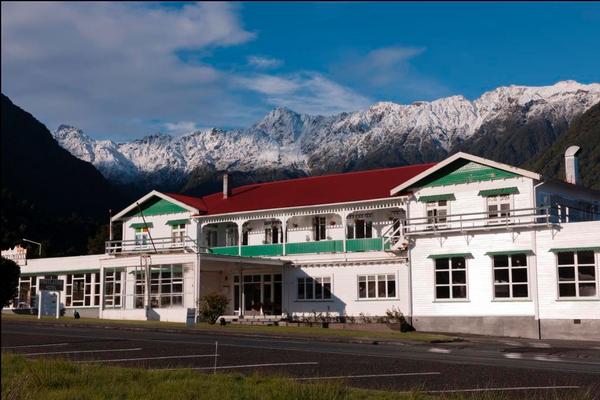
[80,351]
[438,350]
[34,345]
[366,376]
[500,389]
[513,355]
[240,366]
[147,358]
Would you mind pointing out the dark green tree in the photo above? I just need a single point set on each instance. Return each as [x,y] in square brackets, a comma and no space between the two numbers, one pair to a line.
[212,306]
[9,280]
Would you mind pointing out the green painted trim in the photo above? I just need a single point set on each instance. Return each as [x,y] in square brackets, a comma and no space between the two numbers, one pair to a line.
[178,222]
[262,250]
[437,197]
[370,244]
[322,246]
[464,171]
[567,249]
[499,192]
[79,271]
[450,255]
[138,225]
[157,206]
[508,252]
[225,250]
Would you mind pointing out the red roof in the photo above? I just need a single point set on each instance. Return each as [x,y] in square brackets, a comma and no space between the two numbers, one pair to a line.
[325,189]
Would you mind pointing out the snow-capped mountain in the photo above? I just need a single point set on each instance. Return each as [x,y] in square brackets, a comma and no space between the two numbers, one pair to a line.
[385,134]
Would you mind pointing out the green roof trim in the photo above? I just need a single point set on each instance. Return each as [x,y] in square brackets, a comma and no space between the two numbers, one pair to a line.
[464,171]
[184,221]
[142,225]
[565,249]
[508,252]
[437,197]
[450,255]
[156,206]
[499,191]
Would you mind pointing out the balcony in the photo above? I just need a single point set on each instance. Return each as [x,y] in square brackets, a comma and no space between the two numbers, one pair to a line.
[483,221]
[156,245]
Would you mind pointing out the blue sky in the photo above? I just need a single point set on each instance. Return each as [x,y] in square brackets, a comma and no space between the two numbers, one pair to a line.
[121,71]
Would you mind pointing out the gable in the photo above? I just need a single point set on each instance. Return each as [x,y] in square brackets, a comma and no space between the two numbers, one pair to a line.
[156,206]
[464,171]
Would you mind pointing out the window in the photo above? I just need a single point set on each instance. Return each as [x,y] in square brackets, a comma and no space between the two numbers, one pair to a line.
[166,286]
[382,286]
[273,233]
[211,237]
[319,227]
[231,235]
[577,274]
[178,233]
[314,288]
[27,292]
[498,208]
[112,288]
[360,227]
[437,213]
[450,278]
[82,290]
[141,236]
[510,276]
[245,237]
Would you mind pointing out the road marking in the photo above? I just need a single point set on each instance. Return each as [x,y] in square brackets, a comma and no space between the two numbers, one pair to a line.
[80,351]
[241,366]
[438,350]
[34,345]
[500,389]
[366,376]
[539,345]
[147,358]
[513,355]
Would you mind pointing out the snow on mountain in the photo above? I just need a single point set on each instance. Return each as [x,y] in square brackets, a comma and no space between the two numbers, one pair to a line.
[283,139]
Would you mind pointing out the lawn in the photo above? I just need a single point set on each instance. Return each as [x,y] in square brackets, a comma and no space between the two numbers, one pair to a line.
[247,329]
[51,379]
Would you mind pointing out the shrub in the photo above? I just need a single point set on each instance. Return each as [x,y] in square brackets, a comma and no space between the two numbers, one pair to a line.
[212,306]
[396,316]
[9,273]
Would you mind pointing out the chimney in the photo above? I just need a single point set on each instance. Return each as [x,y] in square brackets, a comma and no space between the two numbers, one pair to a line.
[226,189]
[572,165]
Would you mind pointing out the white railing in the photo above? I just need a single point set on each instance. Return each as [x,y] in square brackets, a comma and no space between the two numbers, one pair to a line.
[393,236]
[486,220]
[163,244]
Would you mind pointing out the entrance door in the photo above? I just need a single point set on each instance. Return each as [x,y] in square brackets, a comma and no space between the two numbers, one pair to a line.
[260,291]
[252,286]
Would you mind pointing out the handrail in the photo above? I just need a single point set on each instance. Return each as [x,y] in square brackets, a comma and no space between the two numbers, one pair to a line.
[159,245]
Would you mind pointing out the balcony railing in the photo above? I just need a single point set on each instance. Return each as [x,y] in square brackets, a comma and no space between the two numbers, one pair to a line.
[486,220]
[162,245]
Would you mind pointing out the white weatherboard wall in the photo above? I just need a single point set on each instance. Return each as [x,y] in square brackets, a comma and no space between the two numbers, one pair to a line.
[581,234]
[159,229]
[345,299]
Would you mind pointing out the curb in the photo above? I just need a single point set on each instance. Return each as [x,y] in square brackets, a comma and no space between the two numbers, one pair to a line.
[193,331]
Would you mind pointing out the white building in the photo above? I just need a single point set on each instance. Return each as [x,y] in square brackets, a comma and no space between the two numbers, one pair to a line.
[464,245]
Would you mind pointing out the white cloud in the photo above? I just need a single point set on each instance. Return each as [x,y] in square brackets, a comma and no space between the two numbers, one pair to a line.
[307,92]
[108,66]
[181,127]
[264,62]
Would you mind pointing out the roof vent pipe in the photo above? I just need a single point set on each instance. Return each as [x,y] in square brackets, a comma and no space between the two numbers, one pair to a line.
[572,165]
[226,190]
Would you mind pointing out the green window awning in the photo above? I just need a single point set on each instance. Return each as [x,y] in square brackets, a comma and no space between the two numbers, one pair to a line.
[141,225]
[508,252]
[565,249]
[450,255]
[437,197]
[499,191]
[178,222]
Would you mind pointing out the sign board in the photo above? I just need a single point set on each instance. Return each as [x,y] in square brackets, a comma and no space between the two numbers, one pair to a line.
[190,319]
[48,303]
[54,285]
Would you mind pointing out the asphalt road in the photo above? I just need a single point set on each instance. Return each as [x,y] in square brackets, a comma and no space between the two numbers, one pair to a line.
[521,369]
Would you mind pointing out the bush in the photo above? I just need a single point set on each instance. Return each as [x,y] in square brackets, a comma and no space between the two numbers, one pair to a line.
[9,280]
[212,306]
[396,316]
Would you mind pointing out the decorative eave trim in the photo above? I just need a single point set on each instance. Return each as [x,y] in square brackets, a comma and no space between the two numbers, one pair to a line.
[567,249]
[450,255]
[499,191]
[142,225]
[437,197]
[508,252]
[468,157]
[178,221]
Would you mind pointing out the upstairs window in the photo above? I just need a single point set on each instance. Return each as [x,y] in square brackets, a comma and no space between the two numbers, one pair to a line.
[437,213]
[273,233]
[577,275]
[498,208]
[319,228]
[360,227]
[211,238]
[178,233]
[231,236]
[142,236]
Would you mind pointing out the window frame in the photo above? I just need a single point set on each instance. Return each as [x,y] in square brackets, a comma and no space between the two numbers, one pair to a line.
[499,218]
[576,281]
[376,280]
[315,281]
[90,288]
[178,233]
[450,285]
[429,205]
[109,298]
[510,283]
